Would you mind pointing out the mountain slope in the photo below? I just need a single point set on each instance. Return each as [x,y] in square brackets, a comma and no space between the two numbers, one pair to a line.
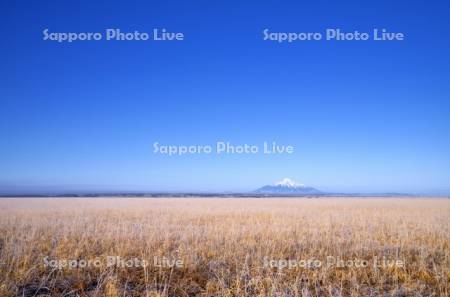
[288,187]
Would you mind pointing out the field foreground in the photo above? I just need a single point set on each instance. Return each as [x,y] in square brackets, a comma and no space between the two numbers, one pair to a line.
[224,247]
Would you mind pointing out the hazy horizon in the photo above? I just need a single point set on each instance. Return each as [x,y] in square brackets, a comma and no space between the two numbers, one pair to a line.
[6,190]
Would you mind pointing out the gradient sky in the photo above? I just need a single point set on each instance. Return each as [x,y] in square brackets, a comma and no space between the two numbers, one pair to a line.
[363,116]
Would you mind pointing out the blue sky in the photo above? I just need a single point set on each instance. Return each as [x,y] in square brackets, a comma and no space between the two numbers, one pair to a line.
[362,116]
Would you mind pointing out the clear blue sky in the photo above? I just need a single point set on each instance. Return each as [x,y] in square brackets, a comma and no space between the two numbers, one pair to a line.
[363,116]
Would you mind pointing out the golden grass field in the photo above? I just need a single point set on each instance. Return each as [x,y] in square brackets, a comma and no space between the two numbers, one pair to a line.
[224,246]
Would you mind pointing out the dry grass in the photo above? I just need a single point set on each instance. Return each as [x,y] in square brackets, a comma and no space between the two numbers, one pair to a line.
[222,243]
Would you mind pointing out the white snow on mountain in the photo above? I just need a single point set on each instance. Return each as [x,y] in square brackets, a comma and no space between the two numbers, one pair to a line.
[288,187]
[287,182]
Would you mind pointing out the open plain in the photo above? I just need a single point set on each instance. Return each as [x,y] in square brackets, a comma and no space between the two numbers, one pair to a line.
[224,247]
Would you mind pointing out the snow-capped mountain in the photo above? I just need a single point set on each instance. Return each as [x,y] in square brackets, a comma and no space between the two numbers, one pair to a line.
[287,187]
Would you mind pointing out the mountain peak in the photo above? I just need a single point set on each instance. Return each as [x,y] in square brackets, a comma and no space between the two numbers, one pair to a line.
[287,182]
[287,187]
